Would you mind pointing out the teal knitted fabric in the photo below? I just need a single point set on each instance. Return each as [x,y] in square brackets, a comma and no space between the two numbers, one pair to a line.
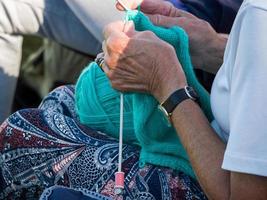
[97,105]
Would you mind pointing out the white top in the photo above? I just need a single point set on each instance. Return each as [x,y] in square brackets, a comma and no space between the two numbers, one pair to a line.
[239,92]
[95,14]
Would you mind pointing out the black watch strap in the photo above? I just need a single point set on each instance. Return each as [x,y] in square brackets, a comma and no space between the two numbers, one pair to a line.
[176,98]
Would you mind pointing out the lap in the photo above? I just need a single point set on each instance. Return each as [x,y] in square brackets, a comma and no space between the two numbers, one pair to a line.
[47,146]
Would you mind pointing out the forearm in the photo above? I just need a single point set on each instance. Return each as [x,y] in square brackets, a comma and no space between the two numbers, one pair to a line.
[204,148]
[148,74]
[213,59]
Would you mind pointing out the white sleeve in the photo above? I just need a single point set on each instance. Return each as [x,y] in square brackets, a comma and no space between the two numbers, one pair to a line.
[246,151]
[95,14]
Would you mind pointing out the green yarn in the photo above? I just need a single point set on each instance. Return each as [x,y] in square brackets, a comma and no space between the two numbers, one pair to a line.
[97,105]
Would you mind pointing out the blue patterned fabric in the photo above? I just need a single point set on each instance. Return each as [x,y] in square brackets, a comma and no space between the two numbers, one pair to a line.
[59,192]
[46,146]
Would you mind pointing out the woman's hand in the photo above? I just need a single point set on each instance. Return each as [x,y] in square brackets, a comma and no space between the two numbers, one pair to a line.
[160,7]
[206,45]
[140,61]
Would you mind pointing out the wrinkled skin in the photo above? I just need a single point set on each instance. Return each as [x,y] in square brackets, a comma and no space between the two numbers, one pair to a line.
[140,61]
[206,45]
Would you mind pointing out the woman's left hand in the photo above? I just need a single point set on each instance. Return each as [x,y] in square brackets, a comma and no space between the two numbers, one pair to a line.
[140,61]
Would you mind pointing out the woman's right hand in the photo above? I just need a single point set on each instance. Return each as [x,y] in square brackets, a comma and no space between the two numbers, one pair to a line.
[206,45]
[140,61]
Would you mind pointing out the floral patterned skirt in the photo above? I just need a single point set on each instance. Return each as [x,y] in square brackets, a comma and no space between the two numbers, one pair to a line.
[47,146]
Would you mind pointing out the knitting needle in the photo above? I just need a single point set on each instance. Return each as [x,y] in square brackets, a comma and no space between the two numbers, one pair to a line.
[119,176]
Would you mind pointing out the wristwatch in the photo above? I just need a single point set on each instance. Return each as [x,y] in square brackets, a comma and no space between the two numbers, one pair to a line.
[175,99]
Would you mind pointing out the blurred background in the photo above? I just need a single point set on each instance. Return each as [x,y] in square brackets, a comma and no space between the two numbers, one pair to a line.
[45,66]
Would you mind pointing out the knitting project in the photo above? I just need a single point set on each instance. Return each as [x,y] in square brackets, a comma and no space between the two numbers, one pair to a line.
[98,105]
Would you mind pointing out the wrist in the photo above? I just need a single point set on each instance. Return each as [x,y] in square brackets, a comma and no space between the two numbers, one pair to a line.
[176,98]
[218,45]
[215,53]
[170,77]
[167,89]
[169,84]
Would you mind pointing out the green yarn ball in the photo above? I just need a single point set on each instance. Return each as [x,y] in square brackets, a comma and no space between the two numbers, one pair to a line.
[98,105]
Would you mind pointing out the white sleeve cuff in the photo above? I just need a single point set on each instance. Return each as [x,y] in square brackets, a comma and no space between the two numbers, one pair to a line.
[244,164]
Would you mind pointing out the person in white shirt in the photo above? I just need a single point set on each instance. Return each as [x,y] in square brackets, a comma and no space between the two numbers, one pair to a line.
[229,157]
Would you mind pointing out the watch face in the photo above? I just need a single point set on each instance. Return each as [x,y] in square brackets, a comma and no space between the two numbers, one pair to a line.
[191,93]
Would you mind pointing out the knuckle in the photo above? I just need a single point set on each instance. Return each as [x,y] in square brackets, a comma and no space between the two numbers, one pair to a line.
[182,22]
[167,7]
[203,22]
[191,25]
[157,19]
[149,34]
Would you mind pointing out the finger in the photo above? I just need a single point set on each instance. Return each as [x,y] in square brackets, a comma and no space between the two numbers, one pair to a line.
[154,7]
[119,27]
[181,13]
[111,60]
[124,86]
[157,7]
[129,28]
[161,20]
[163,8]
[112,27]
[165,21]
